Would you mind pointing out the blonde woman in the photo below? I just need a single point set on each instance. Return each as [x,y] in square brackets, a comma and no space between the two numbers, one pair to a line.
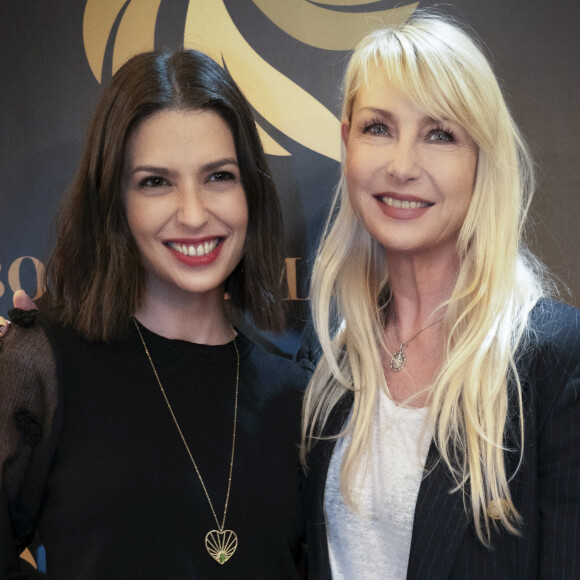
[442,425]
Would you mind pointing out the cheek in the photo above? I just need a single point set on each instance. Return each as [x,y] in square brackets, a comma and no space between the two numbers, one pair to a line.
[143,219]
[470,172]
[457,177]
[360,205]
[359,180]
[239,214]
[364,167]
[468,184]
[131,215]
[137,220]
[241,211]
[353,184]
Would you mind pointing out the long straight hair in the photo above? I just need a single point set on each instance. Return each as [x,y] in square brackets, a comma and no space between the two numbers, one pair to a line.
[95,272]
[436,64]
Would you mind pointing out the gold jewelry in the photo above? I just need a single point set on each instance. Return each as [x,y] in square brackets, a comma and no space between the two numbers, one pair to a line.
[221,543]
[497,507]
[399,359]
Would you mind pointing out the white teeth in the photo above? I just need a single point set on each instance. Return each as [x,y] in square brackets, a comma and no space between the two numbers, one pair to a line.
[403,204]
[195,249]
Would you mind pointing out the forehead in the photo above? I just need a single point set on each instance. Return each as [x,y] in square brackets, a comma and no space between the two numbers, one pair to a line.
[381,88]
[376,91]
[175,135]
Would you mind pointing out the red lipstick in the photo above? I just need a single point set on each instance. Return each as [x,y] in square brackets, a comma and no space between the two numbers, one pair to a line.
[179,247]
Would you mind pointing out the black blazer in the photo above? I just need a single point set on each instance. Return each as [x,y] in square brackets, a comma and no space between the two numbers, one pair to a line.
[545,489]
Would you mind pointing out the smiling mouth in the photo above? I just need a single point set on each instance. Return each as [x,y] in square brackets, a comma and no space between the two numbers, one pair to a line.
[197,250]
[403,204]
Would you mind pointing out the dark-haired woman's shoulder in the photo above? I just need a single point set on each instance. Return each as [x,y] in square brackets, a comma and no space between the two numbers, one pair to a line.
[27,368]
[275,388]
[28,403]
[281,373]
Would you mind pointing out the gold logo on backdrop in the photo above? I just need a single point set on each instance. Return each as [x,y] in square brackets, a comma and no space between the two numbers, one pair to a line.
[209,27]
[13,275]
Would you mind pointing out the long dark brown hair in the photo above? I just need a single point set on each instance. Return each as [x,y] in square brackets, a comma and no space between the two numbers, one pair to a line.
[95,273]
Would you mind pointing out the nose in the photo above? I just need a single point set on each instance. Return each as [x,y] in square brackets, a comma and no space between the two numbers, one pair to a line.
[192,210]
[403,163]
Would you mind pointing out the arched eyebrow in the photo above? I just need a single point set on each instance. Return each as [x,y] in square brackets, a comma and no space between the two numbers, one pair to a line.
[213,165]
[376,111]
[380,112]
[165,172]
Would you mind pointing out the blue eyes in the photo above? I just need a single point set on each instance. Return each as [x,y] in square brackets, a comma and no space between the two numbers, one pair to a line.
[441,136]
[375,128]
[438,135]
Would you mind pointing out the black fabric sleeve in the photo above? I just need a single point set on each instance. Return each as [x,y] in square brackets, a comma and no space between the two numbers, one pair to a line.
[28,400]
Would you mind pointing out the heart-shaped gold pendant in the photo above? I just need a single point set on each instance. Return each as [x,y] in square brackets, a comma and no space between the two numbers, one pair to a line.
[221,545]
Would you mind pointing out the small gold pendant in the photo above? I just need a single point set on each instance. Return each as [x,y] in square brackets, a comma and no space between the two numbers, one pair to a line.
[497,506]
[398,360]
[221,545]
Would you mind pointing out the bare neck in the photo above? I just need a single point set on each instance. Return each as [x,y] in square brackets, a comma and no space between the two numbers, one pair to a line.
[201,319]
[419,284]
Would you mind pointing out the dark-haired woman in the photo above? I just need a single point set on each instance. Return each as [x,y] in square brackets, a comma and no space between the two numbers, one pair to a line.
[141,436]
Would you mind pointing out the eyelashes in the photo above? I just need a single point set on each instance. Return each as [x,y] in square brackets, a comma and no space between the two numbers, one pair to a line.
[153,181]
[221,176]
[441,135]
[375,126]
[156,181]
[438,134]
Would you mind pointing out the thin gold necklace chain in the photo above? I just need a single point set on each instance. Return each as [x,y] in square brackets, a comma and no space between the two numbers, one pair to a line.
[221,528]
[405,344]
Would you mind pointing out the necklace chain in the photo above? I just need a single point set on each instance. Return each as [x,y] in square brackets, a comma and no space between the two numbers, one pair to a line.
[399,359]
[405,344]
[220,558]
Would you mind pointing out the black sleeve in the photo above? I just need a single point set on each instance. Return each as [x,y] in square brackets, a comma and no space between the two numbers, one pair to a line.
[28,399]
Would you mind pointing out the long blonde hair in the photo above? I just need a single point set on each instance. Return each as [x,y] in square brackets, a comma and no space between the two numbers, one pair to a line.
[435,63]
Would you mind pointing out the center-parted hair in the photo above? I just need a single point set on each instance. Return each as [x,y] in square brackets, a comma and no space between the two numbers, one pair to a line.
[439,66]
[95,273]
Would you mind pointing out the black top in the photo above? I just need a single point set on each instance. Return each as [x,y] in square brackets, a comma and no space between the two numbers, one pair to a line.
[122,497]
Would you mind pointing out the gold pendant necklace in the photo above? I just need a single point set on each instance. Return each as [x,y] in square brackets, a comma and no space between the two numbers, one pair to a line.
[221,543]
[399,359]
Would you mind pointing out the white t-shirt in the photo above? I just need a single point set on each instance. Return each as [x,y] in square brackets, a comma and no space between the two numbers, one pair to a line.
[374,542]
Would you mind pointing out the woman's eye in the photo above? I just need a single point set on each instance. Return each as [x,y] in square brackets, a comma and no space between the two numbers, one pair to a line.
[376,129]
[441,136]
[153,181]
[221,176]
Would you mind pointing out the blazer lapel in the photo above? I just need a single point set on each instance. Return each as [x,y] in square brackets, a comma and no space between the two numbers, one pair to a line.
[439,524]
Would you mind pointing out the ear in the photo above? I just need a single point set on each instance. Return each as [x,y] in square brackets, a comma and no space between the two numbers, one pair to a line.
[345,132]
